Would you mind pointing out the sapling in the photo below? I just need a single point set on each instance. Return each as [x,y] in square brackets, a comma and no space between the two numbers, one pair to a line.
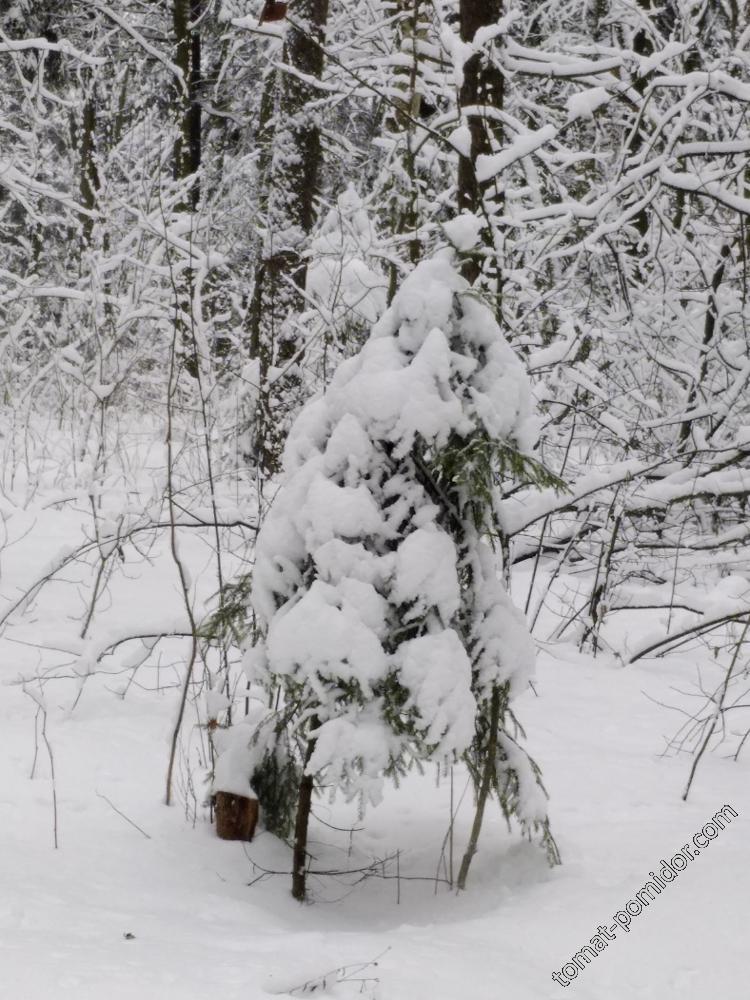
[383,624]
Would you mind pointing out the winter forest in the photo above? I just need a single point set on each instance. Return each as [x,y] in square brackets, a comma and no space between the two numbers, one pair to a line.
[374,481]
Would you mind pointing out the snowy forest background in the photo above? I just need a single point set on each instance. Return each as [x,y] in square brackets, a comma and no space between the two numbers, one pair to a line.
[375,442]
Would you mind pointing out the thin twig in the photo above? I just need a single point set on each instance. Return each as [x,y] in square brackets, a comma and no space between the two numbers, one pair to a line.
[126,818]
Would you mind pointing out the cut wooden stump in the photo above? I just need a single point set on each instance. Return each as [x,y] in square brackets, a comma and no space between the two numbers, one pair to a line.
[236,816]
[273,10]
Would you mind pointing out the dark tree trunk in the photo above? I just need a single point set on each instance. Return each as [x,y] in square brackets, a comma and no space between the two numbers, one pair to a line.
[290,187]
[89,177]
[194,110]
[709,334]
[482,87]
[181,27]
[187,57]
[489,773]
[304,53]
[187,146]
[304,806]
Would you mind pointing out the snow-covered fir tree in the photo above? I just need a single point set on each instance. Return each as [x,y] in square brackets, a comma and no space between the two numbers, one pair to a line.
[376,582]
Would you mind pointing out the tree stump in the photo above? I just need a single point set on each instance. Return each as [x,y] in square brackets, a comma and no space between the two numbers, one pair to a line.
[236,816]
[273,10]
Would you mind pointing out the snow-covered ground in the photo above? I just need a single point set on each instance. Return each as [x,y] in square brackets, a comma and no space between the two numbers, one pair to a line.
[168,910]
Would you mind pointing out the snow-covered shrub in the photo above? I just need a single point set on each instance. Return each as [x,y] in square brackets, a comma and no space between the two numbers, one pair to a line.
[376,585]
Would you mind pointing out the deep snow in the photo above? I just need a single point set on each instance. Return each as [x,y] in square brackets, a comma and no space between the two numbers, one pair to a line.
[200,927]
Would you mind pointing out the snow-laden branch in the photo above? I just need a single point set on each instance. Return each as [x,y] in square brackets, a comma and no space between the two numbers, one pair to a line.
[20,185]
[44,45]
[147,47]
[708,189]
[521,511]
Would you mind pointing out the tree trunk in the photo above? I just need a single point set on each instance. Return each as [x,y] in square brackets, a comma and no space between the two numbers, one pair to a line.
[482,87]
[193,129]
[709,333]
[187,58]
[187,149]
[290,189]
[488,773]
[89,177]
[304,806]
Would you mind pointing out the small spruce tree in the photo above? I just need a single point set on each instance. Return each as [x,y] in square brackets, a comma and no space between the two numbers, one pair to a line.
[384,624]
